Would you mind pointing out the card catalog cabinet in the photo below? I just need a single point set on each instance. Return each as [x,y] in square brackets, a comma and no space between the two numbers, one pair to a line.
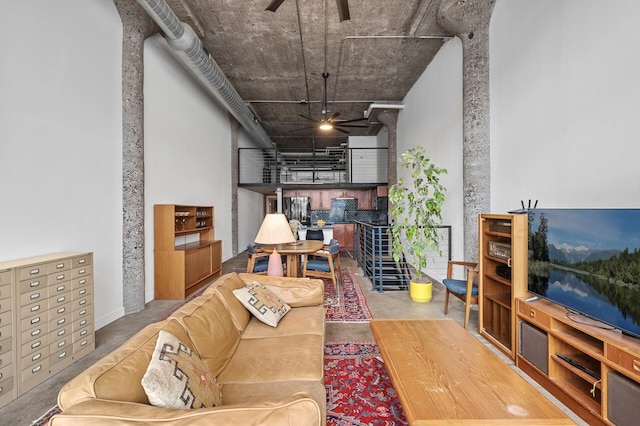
[46,312]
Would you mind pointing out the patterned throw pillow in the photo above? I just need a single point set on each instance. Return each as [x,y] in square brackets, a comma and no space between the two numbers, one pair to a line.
[177,378]
[262,303]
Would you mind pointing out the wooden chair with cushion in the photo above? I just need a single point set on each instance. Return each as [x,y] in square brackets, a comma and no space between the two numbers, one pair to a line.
[324,264]
[465,290]
[258,261]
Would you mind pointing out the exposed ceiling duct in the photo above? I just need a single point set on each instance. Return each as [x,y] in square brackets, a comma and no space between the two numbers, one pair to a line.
[187,48]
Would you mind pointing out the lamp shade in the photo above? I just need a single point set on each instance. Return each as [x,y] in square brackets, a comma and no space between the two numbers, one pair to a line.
[275,230]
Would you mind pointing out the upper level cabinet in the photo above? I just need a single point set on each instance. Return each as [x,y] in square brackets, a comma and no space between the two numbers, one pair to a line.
[187,255]
[503,277]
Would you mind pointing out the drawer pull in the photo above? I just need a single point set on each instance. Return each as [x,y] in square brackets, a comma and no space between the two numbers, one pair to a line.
[35,370]
[532,314]
[82,292]
[36,344]
[34,271]
[34,296]
[81,261]
[36,357]
[61,310]
[82,302]
[62,355]
[60,288]
[35,320]
[82,271]
[60,266]
[35,308]
[83,332]
[62,332]
[0,389]
[83,322]
[35,332]
[82,281]
[82,312]
[636,365]
[60,299]
[34,284]
[61,321]
[60,277]
[84,342]
[62,343]
[1,377]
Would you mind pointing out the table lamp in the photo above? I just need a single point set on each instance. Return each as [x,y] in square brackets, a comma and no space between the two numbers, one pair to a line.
[275,230]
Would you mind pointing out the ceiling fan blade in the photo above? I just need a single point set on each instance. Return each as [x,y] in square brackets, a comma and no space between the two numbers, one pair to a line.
[333,116]
[274,5]
[343,9]
[341,130]
[352,121]
[350,125]
[308,118]
[302,128]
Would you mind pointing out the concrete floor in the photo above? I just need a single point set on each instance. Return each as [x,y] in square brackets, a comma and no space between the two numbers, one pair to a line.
[391,304]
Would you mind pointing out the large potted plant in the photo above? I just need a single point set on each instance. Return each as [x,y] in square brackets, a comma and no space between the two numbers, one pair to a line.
[416,212]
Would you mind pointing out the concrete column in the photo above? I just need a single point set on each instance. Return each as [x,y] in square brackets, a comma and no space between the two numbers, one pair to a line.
[469,20]
[233,123]
[137,26]
[389,117]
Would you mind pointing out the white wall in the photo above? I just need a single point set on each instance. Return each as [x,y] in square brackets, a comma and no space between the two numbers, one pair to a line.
[564,103]
[61,137]
[432,117]
[187,148]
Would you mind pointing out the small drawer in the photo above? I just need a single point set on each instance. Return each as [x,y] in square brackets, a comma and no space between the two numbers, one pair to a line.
[5,318]
[59,311]
[59,288]
[62,332]
[56,300]
[5,305]
[81,292]
[34,284]
[83,333]
[5,277]
[6,372]
[83,260]
[34,308]
[83,343]
[5,291]
[58,277]
[32,271]
[35,357]
[35,332]
[6,345]
[533,315]
[59,265]
[6,359]
[85,312]
[6,385]
[82,302]
[35,344]
[627,361]
[60,355]
[82,271]
[6,331]
[37,320]
[59,322]
[34,296]
[81,282]
[61,344]
[80,323]
[38,368]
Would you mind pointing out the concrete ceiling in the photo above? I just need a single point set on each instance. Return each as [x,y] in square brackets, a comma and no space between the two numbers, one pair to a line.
[275,60]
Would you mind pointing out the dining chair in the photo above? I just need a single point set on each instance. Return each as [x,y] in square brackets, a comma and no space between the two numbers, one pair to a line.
[464,289]
[258,261]
[324,264]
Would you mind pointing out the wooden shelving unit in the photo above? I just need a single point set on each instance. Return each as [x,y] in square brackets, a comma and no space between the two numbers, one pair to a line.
[187,255]
[497,293]
[605,352]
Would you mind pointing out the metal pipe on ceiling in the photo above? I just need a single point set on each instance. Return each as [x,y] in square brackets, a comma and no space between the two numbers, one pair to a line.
[187,48]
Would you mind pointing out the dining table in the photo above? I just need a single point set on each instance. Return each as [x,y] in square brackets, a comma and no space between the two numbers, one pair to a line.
[293,251]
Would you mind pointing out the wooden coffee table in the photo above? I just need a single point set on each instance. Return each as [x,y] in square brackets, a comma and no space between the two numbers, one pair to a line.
[443,376]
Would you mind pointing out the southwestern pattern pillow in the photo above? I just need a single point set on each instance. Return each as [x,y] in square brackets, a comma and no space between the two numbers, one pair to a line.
[262,303]
[177,378]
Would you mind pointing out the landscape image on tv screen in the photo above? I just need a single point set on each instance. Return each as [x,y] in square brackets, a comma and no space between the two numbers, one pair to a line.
[588,260]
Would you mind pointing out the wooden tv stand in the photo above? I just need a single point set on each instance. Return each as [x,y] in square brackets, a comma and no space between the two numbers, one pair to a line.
[614,356]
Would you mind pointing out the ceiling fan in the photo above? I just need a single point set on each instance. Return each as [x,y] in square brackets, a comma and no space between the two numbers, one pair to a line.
[330,123]
[343,8]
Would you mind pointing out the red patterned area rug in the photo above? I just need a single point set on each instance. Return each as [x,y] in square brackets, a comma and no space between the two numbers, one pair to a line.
[359,391]
[348,304]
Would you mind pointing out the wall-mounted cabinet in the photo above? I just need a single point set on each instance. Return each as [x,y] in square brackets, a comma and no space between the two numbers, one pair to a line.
[503,277]
[187,255]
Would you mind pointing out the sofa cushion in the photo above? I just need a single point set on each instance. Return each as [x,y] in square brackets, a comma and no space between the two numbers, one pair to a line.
[262,303]
[292,291]
[223,288]
[177,378]
[210,328]
[305,320]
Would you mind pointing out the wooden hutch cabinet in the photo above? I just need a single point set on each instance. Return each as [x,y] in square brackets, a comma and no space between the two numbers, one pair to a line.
[187,255]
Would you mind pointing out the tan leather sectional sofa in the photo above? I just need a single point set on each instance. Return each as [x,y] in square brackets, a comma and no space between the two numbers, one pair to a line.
[268,375]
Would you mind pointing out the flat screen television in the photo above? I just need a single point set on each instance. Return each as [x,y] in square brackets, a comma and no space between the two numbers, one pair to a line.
[588,260]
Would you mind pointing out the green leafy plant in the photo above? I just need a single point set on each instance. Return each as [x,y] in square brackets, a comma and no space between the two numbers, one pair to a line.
[416,208]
